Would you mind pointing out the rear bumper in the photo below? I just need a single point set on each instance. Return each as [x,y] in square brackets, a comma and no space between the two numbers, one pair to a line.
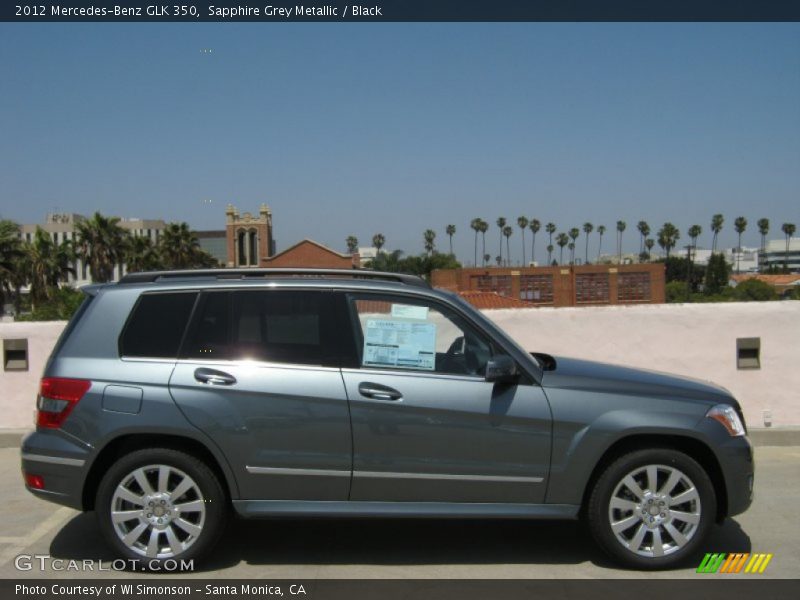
[61,462]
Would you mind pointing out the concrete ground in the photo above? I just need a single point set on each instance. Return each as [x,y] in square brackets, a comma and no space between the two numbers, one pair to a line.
[322,549]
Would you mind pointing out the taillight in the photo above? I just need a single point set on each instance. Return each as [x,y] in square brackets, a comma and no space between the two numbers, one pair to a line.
[57,397]
[34,481]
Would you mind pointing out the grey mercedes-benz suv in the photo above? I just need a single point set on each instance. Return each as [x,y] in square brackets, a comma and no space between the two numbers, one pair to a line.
[173,397]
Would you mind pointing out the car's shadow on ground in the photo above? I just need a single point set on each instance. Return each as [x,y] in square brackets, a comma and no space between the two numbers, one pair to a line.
[390,542]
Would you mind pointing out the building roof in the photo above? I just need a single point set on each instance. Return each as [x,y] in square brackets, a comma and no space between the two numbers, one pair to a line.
[489,300]
[312,242]
[776,280]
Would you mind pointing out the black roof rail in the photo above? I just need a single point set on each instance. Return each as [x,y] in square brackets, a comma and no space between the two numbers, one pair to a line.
[249,273]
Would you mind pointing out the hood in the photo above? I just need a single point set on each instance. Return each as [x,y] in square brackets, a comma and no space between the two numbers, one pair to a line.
[571,373]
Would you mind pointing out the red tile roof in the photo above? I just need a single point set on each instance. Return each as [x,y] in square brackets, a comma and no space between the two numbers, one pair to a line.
[778,280]
[488,300]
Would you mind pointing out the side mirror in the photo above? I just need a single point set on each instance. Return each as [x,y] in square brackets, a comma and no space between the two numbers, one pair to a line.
[501,369]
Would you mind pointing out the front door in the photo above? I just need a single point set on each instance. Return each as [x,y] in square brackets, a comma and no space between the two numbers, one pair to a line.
[427,426]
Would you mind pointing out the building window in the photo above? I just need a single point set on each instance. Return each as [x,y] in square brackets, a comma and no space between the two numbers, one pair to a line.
[591,288]
[253,243]
[633,287]
[492,283]
[536,288]
[241,249]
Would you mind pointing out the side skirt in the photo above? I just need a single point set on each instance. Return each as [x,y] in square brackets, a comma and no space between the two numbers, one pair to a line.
[456,510]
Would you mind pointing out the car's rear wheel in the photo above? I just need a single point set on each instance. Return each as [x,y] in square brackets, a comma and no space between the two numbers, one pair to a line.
[652,508]
[158,504]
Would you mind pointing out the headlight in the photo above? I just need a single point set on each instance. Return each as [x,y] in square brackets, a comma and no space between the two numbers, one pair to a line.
[727,415]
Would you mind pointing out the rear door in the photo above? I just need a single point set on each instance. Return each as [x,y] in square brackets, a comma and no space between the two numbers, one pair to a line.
[427,426]
[259,373]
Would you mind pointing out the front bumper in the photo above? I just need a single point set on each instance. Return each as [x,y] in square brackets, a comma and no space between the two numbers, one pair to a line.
[738,467]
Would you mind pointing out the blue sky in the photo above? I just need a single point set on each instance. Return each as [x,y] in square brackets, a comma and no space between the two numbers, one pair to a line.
[396,128]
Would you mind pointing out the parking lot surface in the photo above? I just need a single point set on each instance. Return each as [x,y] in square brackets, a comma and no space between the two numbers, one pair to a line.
[447,549]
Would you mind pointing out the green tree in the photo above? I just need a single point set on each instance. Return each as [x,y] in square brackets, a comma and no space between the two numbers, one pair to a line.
[475,225]
[352,244]
[535,226]
[430,240]
[501,224]
[550,228]
[754,290]
[45,263]
[142,255]
[668,236]
[450,230]
[587,229]
[180,249]
[649,243]
[573,234]
[101,245]
[10,255]
[716,226]
[644,231]
[522,223]
[550,249]
[621,225]
[378,241]
[763,229]
[600,232]
[740,225]
[483,227]
[717,275]
[788,230]
[562,239]
[508,231]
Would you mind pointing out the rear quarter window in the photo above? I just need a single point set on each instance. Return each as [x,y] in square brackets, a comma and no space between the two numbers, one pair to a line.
[156,325]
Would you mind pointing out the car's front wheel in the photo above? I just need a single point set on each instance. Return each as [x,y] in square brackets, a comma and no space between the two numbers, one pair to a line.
[158,504]
[652,508]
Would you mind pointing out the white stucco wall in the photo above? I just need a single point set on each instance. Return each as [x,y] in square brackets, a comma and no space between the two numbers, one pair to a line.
[697,340]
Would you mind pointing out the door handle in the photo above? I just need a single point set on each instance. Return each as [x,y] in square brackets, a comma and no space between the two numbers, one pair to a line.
[378,391]
[214,377]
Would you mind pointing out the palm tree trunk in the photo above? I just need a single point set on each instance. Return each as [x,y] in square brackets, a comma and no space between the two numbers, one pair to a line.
[533,247]
[476,248]
[586,258]
[523,246]
[508,251]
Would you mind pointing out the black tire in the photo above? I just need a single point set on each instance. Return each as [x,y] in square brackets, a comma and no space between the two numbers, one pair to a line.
[688,520]
[202,508]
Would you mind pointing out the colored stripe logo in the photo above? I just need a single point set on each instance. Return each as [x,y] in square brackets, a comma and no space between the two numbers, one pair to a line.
[742,562]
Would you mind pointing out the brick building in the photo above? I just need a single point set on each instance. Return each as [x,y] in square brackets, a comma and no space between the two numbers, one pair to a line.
[310,254]
[581,285]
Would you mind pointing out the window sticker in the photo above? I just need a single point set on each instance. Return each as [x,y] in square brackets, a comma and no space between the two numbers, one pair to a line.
[409,311]
[405,344]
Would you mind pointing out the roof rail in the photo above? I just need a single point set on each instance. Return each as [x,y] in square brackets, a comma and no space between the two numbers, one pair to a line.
[250,273]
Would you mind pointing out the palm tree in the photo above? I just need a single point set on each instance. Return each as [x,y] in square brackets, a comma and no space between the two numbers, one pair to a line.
[716,226]
[649,243]
[450,230]
[550,228]
[352,244]
[10,254]
[483,227]
[763,229]
[378,241]
[180,248]
[740,225]
[562,239]
[668,236]
[101,245]
[694,232]
[549,254]
[142,255]
[573,233]
[587,229]
[644,231]
[788,230]
[522,222]
[535,226]
[430,244]
[45,263]
[501,223]
[508,230]
[600,230]
[621,225]
[475,225]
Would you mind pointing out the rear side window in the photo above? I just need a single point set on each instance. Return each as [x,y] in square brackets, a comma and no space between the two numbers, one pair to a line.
[271,326]
[156,326]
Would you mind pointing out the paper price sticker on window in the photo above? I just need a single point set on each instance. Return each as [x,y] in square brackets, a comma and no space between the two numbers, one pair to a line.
[409,311]
[389,343]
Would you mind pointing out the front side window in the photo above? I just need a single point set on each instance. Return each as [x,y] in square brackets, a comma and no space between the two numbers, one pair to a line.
[413,335]
[271,326]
